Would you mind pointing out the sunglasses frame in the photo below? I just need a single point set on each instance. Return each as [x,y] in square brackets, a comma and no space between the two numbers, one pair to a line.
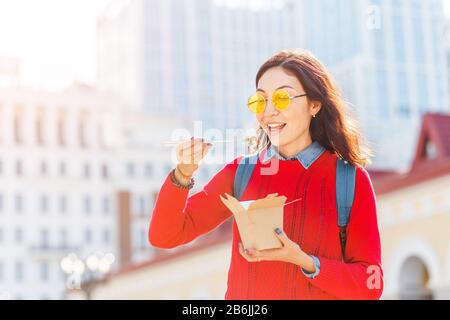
[266,99]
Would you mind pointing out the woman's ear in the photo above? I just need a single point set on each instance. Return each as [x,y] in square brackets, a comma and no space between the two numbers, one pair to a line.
[315,107]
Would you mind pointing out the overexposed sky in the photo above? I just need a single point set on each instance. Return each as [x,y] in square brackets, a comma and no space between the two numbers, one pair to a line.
[447,7]
[54,39]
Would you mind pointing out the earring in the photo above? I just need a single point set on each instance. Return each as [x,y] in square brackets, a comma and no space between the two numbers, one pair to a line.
[314,115]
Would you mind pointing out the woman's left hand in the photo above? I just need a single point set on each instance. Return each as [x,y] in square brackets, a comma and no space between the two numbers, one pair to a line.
[290,252]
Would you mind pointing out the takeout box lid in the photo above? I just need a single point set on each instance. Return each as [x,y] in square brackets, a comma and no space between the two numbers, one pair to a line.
[270,201]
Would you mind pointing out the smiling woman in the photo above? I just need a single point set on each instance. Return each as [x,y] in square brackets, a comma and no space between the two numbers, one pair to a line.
[306,141]
[320,114]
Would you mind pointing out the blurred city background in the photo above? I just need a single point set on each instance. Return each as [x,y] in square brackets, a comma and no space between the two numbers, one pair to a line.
[90,90]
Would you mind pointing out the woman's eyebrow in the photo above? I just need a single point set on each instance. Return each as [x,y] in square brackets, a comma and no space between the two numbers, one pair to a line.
[282,87]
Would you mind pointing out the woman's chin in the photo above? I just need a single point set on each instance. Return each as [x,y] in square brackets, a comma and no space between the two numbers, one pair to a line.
[276,143]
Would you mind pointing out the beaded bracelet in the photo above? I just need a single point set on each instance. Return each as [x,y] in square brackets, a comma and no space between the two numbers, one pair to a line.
[178,184]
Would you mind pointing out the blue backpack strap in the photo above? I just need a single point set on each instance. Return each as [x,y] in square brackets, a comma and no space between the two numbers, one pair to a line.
[243,174]
[345,192]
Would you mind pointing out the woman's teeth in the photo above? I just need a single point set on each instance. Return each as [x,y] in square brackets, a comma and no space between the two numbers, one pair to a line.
[276,128]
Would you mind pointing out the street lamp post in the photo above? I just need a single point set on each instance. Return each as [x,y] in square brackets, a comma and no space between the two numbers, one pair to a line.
[93,268]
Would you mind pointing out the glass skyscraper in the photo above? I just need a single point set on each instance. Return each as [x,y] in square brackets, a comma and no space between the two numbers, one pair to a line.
[191,58]
[199,58]
[389,59]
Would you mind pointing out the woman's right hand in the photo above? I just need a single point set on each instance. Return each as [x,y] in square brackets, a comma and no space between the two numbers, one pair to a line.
[190,153]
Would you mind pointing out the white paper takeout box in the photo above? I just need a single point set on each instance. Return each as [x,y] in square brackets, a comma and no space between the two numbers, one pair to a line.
[257,220]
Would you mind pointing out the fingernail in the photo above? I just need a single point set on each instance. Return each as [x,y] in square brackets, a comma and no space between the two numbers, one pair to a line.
[278,231]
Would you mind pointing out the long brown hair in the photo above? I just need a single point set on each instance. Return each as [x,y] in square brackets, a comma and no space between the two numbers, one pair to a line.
[333,127]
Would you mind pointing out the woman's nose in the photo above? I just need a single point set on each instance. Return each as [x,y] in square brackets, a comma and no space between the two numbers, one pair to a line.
[270,108]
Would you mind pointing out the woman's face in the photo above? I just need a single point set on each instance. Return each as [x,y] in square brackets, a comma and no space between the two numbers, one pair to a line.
[294,120]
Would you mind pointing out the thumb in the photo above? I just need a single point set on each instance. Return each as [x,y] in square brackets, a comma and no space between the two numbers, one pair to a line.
[208,146]
[282,236]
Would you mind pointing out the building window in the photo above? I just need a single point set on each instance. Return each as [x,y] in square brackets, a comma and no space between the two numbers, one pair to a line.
[399,38]
[43,168]
[148,171]
[106,204]
[18,203]
[419,40]
[142,206]
[154,197]
[62,204]
[19,169]
[62,169]
[86,171]
[101,137]
[61,128]
[130,169]
[40,126]
[422,93]
[383,94]
[63,241]
[18,271]
[87,204]
[105,172]
[430,150]
[82,129]
[18,235]
[1,120]
[88,236]
[106,236]
[44,239]
[18,134]
[144,239]
[44,271]
[44,203]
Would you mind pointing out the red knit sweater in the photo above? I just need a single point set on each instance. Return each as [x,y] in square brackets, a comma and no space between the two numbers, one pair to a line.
[312,223]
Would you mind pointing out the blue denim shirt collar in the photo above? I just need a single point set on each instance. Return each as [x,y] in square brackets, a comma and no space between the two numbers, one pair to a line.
[305,157]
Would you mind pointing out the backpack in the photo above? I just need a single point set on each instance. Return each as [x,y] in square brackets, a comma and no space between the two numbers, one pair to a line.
[345,189]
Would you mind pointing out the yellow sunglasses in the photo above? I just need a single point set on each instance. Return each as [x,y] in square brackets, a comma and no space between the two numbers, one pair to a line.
[280,99]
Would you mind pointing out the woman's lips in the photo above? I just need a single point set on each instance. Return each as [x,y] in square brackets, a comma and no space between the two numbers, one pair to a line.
[276,130]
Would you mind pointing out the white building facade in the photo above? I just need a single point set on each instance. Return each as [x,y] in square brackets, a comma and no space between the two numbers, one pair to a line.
[65,160]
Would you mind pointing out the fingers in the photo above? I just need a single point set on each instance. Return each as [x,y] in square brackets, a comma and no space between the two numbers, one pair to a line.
[247,254]
[252,255]
[188,150]
[205,150]
[192,158]
[190,143]
[193,151]
[276,254]
[282,236]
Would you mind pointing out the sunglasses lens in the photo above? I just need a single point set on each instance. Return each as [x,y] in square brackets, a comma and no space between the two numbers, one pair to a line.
[281,99]
[256,103]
